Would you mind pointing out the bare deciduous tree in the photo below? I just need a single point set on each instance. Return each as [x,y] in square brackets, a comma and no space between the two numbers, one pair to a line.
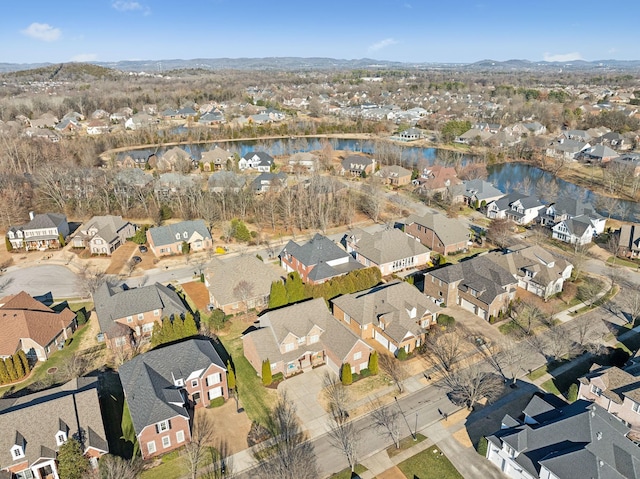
[201,435]
[387,420]
[632,303]
[115,467]
[221,462]
[90,278]
[393,368]
[470,383]
[444,349]
[244,291]
[287,454]
[343,434]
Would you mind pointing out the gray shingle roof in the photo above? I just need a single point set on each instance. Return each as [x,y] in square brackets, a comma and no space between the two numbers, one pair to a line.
[114,302]
[481,189]
[166,235]
[387,246]
[148,379]
[449,230]
[37,418]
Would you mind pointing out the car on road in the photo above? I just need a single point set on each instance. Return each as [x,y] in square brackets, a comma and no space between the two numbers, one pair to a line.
[143,248]
[136,259]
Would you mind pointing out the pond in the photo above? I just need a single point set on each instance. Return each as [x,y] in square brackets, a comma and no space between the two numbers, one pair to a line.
[507,177]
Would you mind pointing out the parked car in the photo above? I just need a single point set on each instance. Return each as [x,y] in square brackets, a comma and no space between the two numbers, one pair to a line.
[143,248]
[136,259]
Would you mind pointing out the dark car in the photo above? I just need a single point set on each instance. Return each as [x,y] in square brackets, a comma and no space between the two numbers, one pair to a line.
[143,248]
[136,259]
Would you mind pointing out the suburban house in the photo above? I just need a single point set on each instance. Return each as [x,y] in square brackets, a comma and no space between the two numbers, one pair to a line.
[34,426]
[617,391]
[567,150]
[436,179]
[142,159]
[474,192]
[474,135]
[33,327]
[395,314]
[301,336]
[410,134]
[317,260]
[478,285]
[564,441]
[519,208]
[269,182]
[597,154]
[536,270]
[241,283]
[256,160]
[394,175]
[103,234]
[222,181]
[390,250]
[567,208]
[170,239]
[126,314]
[629,241]
[164,386]
[356,165]
[303,161]
[43,231]
[631,161]
[216,159]
[174,159]
[578,230]
[438,232]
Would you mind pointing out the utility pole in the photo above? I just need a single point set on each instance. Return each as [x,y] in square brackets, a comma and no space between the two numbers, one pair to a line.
[413,434]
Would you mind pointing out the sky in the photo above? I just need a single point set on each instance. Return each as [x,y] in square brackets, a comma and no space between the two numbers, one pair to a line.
[413,31]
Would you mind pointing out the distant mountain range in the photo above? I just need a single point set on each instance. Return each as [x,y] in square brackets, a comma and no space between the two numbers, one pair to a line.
[318,63]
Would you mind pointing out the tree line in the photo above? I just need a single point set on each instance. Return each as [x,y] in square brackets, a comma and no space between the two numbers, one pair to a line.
[14,368]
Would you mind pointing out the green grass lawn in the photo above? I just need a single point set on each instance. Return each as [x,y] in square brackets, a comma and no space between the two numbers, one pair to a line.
[537,373]
[560,384]
[430,463]
[112,406]
[346,473]
[254,397]
[405,444]
[173,466]
[622,262]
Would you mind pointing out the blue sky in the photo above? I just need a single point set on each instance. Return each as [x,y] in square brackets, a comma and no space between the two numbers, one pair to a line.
[401,30]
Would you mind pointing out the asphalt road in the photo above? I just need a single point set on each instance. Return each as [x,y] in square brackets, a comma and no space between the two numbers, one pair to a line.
[38,280]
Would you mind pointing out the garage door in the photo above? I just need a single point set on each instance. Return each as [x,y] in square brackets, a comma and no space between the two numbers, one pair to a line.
[468,305]
[381,339]
[215,392]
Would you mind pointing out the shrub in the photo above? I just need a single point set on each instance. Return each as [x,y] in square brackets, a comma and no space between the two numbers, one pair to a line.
[259,257]
[216,402]
[373,363]
[267,378]
[402,354]
[445,320]
[365,373]
[346,377]
[572,394]
[81,316]
[482,446]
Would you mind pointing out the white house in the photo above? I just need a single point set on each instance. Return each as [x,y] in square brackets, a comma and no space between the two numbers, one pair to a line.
[259,161]
[522,209]
[579,230]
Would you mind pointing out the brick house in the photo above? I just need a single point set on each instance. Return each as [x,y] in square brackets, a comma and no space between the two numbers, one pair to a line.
[33,327]
[164,386]
[168,240]
[394,175]
[103,234]
[317,260]
[356,165]
[298,337]
[128,314]
[390,250]
[395,314]
[478,285]
[629,241]
[34,426]
[437,232]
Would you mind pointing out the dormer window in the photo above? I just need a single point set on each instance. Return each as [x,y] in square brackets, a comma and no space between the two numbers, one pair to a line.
[185,235]
[179,382]
[17,452]
[177,236]
[61,438]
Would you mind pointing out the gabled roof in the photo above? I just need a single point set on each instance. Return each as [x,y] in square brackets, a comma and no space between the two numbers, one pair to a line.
[449,230]
[391,302]
[22,317]
[37,418]
[582,441]
[577,226]
[148,379]
[115,302]
[481,189]
[44,220]
[617,383]
[386,246]
[573,207]
[356,162]
[107,227]
[630,237]
[265,158]
[166,235]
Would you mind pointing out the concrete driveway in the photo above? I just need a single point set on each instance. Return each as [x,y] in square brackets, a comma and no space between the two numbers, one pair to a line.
[304,390]
[39,280]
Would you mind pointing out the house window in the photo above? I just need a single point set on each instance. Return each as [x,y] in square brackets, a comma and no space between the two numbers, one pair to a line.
[147,328]
[151,447]
[119,342]
[156,312]
[140,316]
[163,426]
[314,339]
[185,235]
[17,452]
[194,383]
[288,347]
[61,438]
[129,319]
[179,437]
[300,340]
[635,407]
[596,390]
[357,355]
[177,236]
[214,379]
[166,442]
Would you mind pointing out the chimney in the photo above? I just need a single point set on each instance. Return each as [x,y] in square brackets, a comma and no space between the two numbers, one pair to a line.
[31,215]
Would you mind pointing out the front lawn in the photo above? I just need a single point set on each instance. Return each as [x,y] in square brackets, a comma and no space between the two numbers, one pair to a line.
[172,466]
[429,463]
[405,444]
[346,473]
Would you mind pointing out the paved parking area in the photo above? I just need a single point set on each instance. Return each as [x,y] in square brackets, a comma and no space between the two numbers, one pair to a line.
[474,324]
[304,390]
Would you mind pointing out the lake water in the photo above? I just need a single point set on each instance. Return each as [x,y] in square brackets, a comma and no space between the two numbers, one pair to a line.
[507,177]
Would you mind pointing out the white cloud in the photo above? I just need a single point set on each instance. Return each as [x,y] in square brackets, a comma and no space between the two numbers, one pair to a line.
[42,31]
[84,57]
[130,6]
[561,57]
[382,44]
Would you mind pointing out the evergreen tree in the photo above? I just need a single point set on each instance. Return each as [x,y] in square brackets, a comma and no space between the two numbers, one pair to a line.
[190,326]
[168,333]
[11,370]
[17,364]
[231,376]
[295,288]
[25,362]
[267,378]
[72,464]
[278,295]
[345,375]
[373,363]
[61,240]
[4,375]
[8,244]
[157,335]
[81,317]
[178,329]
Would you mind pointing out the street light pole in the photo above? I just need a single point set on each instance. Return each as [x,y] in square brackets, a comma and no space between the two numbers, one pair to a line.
[413,434]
